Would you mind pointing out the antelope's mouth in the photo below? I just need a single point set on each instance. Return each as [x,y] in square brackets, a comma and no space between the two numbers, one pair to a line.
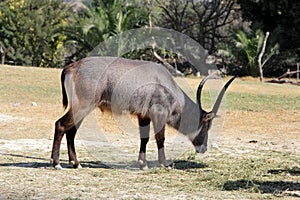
[201,149]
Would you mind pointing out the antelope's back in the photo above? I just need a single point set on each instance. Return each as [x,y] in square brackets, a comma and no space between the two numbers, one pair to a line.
[123,84]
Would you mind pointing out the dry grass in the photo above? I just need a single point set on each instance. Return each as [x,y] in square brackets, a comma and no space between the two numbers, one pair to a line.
[257,158]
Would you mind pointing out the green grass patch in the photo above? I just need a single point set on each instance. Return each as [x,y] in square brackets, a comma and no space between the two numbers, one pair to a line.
[260,102]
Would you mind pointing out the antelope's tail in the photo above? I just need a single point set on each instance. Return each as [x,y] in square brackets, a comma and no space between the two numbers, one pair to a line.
[64,93]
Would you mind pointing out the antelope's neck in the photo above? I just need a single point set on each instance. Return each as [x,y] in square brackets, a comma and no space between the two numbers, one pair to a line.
[188,121]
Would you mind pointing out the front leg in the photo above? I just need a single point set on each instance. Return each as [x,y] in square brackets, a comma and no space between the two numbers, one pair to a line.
[158,116]
[160,139]
[142,155]
[144,126]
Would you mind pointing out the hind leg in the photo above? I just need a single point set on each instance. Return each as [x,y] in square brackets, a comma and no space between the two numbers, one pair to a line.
[68,124]
[61,126]
[70,135]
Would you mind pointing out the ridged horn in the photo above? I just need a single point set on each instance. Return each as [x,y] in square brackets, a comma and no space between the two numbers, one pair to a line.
[219,99]
[199,90]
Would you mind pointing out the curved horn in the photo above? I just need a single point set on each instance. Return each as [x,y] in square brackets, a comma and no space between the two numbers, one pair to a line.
[199,90]
[219,99]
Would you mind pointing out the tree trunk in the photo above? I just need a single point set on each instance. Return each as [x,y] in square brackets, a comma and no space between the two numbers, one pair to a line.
[298,65]
[260,67]
[4,54]
[3,59]
[149,4]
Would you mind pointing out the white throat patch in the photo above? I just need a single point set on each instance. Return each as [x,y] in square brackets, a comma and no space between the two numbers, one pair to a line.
[192,136]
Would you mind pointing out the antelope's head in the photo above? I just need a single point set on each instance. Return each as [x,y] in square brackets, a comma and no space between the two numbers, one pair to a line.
[206,118]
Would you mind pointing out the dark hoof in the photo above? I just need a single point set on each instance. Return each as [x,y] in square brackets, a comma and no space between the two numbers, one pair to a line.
[75,166]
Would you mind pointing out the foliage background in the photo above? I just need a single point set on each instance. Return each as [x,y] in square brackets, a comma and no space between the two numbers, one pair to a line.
[55,33]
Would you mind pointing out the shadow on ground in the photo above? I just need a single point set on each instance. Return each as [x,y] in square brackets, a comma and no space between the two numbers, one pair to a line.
[294,171]
[186,164]
[45,163]
[29,164]
[273,187]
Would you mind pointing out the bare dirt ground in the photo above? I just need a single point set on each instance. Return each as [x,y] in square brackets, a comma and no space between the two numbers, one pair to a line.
[255,155]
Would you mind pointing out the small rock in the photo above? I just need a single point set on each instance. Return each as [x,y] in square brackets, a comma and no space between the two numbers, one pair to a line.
[214,145]
[253,141]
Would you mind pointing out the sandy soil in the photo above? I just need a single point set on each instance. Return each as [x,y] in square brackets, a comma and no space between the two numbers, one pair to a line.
[26,134]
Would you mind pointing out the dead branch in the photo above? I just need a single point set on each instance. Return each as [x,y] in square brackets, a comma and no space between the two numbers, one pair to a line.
[288,73]
[280,79]
[167,65]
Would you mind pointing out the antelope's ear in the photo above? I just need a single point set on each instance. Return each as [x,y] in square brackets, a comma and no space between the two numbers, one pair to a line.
[209,116]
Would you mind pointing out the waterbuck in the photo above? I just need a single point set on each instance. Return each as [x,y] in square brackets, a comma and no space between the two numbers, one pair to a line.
[145,89]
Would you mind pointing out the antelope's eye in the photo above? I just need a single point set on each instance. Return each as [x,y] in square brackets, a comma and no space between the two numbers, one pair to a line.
[209,116]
